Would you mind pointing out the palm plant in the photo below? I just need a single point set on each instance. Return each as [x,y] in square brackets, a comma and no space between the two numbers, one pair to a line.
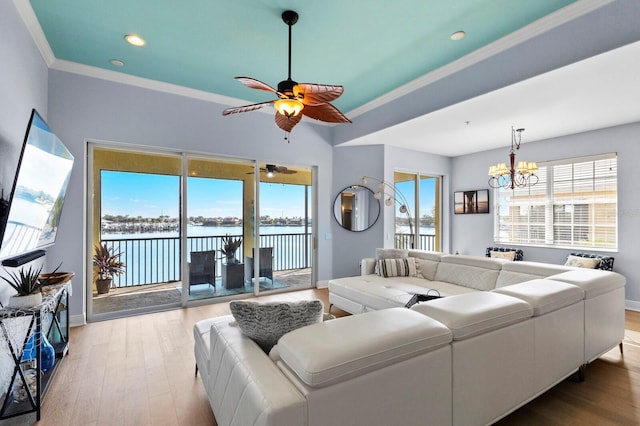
[25,282]
[229,247]
[108,262]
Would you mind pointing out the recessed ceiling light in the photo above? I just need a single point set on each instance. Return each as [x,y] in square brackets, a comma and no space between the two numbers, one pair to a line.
[116,62]
[458,35]
[135,39]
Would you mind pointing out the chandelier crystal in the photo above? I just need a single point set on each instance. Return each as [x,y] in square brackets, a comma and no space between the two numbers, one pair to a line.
[518,175]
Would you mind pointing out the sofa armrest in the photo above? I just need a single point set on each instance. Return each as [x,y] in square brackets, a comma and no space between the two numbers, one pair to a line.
[244,385]
[367,266]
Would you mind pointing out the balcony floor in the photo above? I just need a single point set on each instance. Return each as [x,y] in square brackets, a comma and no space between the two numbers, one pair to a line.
[155,295]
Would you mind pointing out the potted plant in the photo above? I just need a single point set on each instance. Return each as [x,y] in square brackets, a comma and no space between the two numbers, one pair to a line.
[27,285]
[107,260]
[229,247]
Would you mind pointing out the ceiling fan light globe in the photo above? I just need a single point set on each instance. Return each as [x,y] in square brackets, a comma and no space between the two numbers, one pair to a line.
[288,107]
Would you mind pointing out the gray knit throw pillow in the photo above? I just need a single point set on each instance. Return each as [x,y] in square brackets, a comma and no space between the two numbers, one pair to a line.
[265,323]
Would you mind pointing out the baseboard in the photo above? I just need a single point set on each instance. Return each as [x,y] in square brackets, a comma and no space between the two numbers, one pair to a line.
[77,320]
[322,284]
[632,305]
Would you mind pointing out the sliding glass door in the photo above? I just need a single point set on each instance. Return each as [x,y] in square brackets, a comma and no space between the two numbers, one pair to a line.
[136,219]
[185,227]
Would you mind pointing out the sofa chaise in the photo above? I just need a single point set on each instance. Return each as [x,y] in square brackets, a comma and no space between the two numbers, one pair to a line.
[504,333]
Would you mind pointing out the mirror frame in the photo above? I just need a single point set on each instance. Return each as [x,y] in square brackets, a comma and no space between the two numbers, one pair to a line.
[337,207]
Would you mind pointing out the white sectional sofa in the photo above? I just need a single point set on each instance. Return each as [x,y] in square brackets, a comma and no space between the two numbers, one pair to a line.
[504,333]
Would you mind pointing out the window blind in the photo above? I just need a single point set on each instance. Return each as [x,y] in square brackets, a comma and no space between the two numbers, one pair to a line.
[574,204]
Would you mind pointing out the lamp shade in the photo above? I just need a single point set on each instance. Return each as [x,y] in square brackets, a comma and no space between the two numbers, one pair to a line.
[288,107]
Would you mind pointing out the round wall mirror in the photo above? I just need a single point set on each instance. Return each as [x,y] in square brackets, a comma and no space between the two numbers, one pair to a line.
[356,208]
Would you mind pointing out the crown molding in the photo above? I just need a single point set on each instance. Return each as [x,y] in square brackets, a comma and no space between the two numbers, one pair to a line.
[146,83]
[553,20]
[33,26]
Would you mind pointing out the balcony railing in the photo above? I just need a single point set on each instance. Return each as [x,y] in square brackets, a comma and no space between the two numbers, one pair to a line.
[425,241]
[157,260]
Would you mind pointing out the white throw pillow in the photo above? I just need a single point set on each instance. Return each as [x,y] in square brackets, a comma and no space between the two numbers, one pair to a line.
[582,262]
[508,255]
[397,267]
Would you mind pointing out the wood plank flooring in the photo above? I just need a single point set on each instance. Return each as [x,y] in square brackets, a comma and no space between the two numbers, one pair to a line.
[140,371]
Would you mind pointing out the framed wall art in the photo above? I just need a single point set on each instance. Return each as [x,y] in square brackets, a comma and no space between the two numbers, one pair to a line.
[471,202]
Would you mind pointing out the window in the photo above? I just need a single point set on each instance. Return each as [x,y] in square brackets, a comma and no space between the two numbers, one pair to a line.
[573,205]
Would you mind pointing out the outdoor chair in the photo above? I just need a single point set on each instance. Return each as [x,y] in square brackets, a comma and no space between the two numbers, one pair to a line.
[202,268]
[266,264]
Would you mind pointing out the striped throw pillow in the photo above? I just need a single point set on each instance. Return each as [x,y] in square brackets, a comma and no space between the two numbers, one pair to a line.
[397,267]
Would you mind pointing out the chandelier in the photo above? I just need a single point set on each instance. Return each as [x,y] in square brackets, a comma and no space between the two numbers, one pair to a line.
[516,176]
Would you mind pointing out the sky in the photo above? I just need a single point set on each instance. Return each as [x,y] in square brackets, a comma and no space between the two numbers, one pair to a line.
[427,195]
[150,195]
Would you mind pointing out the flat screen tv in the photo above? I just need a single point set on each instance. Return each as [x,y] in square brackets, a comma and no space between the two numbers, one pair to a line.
[35,204]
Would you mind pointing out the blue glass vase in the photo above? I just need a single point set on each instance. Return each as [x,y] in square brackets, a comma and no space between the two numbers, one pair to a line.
[47,354]
[29,352]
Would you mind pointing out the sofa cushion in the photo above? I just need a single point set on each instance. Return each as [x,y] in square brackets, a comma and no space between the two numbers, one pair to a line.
[544,295]
[534,268]
[391,253]
[479,273]
[593,282]
[426,262]
[376,292]
[471,314]
[397,267]
[319,356]
[509,278]
[265,323]
[475,261]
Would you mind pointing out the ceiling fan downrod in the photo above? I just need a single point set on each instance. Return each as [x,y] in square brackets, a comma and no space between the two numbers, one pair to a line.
[290,18]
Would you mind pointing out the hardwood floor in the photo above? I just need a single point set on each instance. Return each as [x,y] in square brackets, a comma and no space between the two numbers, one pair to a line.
[139,371]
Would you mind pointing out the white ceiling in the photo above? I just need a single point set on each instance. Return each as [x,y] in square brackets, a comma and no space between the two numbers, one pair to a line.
[598,92]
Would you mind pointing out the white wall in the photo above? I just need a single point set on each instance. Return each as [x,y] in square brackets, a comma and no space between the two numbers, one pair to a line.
[23,86]
[473,233]
[83,108]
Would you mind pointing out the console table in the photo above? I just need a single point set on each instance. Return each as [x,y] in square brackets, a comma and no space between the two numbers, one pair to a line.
[16,327]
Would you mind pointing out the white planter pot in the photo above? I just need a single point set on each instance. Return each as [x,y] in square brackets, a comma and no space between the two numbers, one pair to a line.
[28,301]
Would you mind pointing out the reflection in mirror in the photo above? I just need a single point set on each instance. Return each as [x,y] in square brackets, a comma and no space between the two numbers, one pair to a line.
[356,209]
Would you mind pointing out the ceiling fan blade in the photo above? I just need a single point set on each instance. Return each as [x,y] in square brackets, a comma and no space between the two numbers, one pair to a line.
[287,123]
[255,84]
[246,108]
[317,94]
[325,112]
[286,171]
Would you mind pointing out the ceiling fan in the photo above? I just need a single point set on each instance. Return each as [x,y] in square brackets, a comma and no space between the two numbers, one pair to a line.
[295,99]
[270,170]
